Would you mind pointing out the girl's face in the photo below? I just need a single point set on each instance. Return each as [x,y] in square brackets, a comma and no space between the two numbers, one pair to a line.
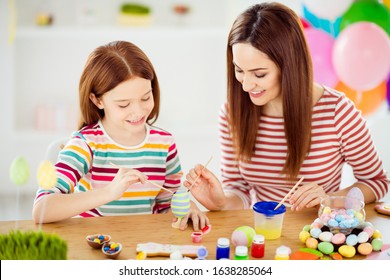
[259,76]
[127,107]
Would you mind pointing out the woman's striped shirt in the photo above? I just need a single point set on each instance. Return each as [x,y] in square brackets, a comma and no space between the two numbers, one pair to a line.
[89,160]
[339,135]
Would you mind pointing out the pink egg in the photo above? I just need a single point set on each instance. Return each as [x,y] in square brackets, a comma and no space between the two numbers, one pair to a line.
[369,230]
[338,238]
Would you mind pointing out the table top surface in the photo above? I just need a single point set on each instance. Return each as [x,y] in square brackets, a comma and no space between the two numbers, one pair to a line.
[139,229]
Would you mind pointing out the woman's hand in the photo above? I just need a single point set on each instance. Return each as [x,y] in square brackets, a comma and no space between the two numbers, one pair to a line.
[207,189]
[123,180]
[309,195]
[198,218]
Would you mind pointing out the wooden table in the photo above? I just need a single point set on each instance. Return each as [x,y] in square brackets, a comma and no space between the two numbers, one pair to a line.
[132,230]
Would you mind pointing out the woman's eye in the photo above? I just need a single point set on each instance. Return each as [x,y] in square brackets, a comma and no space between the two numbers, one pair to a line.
[238,70]
[146,99]
[123,106]
[260,76]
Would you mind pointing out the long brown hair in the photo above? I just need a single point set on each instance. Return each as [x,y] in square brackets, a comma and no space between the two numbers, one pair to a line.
[108,66]
[275,30]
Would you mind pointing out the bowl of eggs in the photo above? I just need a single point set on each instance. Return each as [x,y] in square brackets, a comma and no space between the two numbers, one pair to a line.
[341,214]
[112,249]
[97,240]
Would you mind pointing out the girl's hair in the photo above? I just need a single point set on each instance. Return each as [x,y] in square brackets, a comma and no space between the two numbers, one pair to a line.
[108,66]
[277,31]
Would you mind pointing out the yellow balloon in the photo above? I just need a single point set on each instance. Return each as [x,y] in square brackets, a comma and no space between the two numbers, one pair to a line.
[387,3]
[367,101]
[47,177]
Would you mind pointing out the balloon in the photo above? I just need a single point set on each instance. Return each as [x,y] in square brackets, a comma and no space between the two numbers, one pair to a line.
[329,9]
[321,47]
[388,92]
[47,177]
[387,3]
[361,56]
[333,28]
[19,171]
[305,23]
[371,11]
[366,101]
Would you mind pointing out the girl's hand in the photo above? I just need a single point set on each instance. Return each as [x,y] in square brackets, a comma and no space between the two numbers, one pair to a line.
[123,180]
[207,188]
[309,195]
[199,219]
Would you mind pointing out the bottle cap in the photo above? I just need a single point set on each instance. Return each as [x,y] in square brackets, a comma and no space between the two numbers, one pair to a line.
[283,250]
[223,242]
[202,253]
[241,251]
[258,238]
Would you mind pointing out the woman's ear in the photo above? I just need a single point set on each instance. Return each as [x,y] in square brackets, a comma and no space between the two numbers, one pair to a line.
[96,101]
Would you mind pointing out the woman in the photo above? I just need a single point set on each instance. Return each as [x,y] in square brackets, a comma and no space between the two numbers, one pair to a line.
[278,125]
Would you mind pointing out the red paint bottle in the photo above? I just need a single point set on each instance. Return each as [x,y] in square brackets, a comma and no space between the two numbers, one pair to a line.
[258,246]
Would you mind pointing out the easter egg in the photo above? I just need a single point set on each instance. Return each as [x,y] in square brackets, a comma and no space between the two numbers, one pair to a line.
[19,171]
[311,243]
[325,236]
[243,236]
[347,251]
[315,232]
[306,228]
[47,176]
[354,197]
[363,237]
[369,230]
[325,247]
[338,238]
[352,240]
[377,244]
[303,236]
[364,249]
[377,234]
[181,203]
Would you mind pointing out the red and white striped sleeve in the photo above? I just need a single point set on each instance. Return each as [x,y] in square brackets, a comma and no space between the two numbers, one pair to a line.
[358,147]
[232,180]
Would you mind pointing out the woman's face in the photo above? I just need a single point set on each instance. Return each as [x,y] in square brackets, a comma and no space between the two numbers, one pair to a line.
[127,106]
[259,76]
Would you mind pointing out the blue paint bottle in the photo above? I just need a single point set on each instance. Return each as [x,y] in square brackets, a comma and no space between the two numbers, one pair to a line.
[223,248]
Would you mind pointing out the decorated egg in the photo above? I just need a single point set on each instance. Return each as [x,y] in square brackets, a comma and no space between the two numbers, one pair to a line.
[243,236]
[181,203]
[47,177]
[19,171]
[354,196]
[326,247]
[365,249]
[347,251]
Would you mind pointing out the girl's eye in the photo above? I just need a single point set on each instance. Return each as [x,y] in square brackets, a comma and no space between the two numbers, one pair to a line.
[260,76]
[238,70]
[146,99]
[123,106]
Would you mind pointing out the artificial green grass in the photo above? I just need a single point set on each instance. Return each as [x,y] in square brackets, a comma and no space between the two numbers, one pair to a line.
[32,245]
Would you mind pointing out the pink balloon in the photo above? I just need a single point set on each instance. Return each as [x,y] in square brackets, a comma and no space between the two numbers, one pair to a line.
[361,55]
[321,49]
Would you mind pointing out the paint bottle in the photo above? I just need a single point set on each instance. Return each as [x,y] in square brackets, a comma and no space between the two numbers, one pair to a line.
[241,253]
[258,247]
[282,253]
[223,248]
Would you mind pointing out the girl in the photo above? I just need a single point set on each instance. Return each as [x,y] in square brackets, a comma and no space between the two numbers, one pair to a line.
[105,167]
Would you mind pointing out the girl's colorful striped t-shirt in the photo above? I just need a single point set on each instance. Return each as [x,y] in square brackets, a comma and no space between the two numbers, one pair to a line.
[90,160]
[339,135]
